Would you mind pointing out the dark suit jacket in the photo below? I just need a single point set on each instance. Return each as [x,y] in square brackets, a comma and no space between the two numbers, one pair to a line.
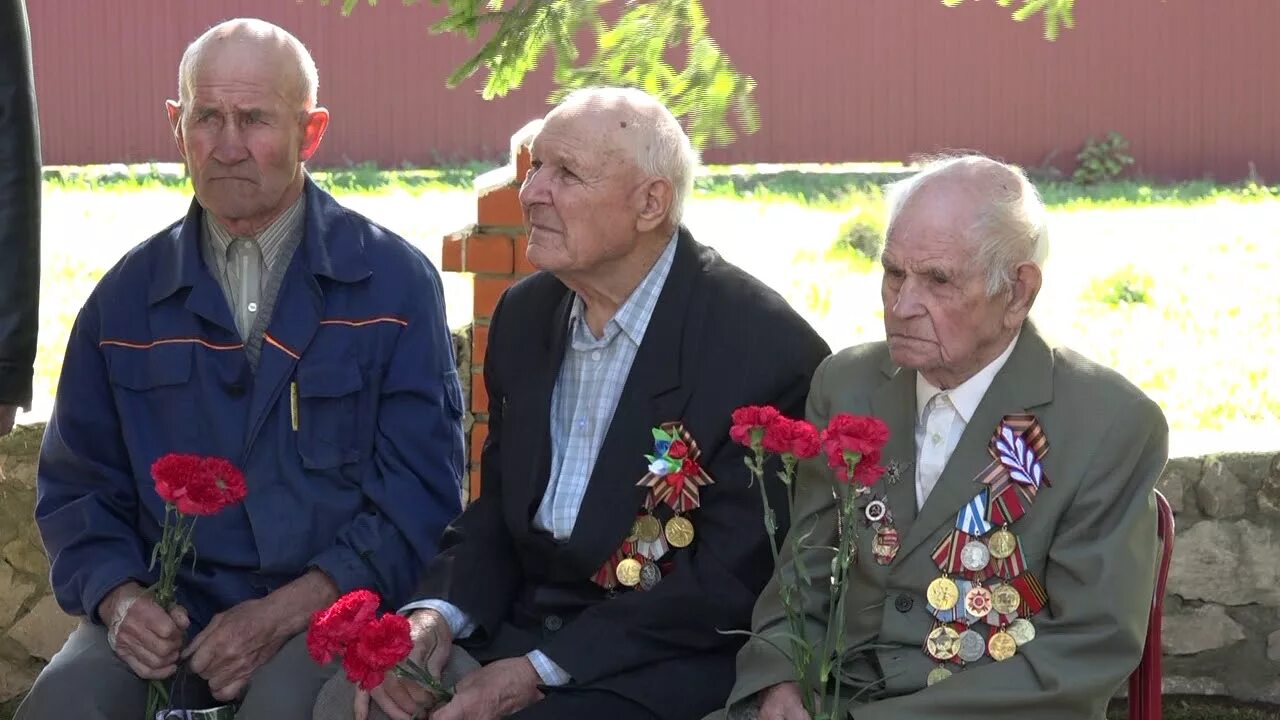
[718,339]
[19,207]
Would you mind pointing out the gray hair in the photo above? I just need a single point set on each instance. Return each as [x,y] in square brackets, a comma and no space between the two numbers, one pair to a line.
[1012,224]
[308,77]
[667,152]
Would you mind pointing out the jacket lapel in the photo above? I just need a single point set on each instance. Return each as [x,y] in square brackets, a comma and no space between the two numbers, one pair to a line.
[654,393]
[528,423]
[894,402]
[1025,382]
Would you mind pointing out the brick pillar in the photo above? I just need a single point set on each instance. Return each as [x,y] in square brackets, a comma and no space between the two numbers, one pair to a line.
[493,250]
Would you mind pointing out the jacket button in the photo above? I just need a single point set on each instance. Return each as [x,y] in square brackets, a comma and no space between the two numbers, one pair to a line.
[552,623]
[235,390]
[903,603]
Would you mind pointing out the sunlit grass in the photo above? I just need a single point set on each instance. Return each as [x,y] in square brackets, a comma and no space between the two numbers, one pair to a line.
[1174,286]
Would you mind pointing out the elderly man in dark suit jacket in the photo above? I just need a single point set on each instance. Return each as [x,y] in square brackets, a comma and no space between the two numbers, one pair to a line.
[19,213]
[579,595]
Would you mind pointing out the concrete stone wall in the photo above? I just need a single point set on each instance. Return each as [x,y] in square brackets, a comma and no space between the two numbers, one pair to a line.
[1222,609]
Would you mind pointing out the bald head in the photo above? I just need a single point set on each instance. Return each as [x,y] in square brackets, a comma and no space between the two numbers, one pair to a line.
[996,208]
[634,125]
[253,42]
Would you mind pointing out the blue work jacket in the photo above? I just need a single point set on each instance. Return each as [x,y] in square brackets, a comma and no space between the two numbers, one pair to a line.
[349,432]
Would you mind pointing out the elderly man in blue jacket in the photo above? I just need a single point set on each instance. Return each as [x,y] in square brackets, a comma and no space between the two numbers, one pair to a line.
[274,328]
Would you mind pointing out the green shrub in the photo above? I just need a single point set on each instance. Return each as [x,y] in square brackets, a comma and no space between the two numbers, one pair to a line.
[1126,286]
[1102,160]
[863,233]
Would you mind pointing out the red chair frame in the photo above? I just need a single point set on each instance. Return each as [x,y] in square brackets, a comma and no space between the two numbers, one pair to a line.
[1146,682]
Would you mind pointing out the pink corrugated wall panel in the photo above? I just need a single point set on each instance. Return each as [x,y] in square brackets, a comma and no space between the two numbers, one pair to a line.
[1190,83]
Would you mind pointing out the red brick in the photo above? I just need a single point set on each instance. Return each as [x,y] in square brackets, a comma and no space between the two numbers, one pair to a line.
[488,254]
[500,207]
[451,253]
[474,489]
[479,432]
[488,288]
[521,251]
[479,396]
[523,161]
[479,344]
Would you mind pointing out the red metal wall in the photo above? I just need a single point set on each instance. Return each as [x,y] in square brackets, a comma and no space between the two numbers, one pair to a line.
[1191,83]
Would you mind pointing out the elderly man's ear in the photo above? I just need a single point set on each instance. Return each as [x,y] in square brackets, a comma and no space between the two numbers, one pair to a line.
[656,196]
[1026,285]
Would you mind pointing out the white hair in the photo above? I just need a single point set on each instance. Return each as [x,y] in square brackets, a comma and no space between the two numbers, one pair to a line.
[308,77]
[664,150]
[1012,224]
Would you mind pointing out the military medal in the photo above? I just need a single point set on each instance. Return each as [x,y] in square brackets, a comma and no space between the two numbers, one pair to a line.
[1022,631]
[646,528]
[977,602]
[628,572]
[1002,646]
[1005,599]
[885,545]
[943,593]
[875,511]
[937,675]
[975,556]
[972,646]
[943,643]
[649,576]
[1002,543]
[679,532]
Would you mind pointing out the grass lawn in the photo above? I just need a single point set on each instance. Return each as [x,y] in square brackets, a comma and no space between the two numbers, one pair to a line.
[1174,286]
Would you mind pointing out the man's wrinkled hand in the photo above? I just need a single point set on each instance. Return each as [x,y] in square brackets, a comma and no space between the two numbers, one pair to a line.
[141,633]
[782,702]
[7,414]
[403,699]
[235,644]
[494,691]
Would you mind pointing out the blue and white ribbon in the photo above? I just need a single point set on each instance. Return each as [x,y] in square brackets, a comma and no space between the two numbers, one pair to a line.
[972,518]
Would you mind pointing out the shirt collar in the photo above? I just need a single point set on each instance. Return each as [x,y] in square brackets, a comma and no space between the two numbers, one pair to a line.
[965,396]
[633,317]
[270,239]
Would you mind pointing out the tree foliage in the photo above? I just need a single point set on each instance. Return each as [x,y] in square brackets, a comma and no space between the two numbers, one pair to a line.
[633,47]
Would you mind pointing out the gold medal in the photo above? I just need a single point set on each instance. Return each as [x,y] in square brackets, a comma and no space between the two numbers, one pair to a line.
[943,593]
[938,674]
[646,528]
[679,532]
[629,572]
[1022,631]
[1002,543]
[1002,646]
[1005,599]
[943,643]
[977,602]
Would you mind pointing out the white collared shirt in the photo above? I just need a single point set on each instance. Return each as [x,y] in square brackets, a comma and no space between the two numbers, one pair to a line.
[941,419]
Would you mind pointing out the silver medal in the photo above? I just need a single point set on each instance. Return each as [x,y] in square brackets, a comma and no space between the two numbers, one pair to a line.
[649,576]
[875,510]
[972,646]
[1022,631]
[975,556]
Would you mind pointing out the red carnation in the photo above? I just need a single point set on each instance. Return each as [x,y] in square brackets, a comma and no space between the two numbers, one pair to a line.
[805,442]
[333,628]
[690,468]
[173,473]
[847,436]
[198,485]
[749,423]
[677,450]
[379,647]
